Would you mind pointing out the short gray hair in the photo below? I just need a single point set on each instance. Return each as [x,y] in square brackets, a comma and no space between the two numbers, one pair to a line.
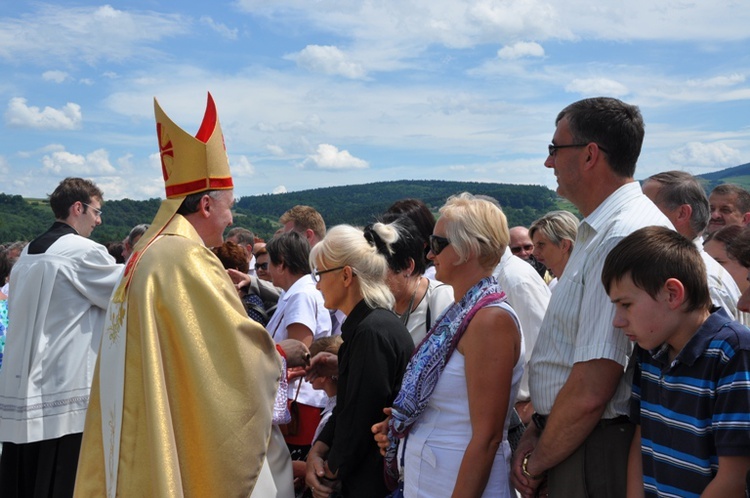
[678,188]
[556,226]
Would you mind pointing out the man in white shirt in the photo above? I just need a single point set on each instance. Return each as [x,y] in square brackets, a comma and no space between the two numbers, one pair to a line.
[581,434]
[682,199]
[61,287]
[529,296]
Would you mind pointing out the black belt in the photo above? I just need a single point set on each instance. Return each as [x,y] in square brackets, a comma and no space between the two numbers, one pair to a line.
[540,421]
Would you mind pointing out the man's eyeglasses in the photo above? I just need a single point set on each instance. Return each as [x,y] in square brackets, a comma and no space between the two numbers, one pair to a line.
[97,211]
[438,243]
[526,247]
[317,273]
[552,148]
[262,266]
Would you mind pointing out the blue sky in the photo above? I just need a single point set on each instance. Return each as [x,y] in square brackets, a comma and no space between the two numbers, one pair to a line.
[316,93]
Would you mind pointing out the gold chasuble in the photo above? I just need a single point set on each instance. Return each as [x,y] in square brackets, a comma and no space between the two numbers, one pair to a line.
[183,391]
[199,382]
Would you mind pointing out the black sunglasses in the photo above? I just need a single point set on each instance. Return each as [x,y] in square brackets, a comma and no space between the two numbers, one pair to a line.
[438,243]
[262,266]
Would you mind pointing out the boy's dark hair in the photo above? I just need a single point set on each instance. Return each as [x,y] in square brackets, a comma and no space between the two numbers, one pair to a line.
[70,191]
[293,250]
[652,255]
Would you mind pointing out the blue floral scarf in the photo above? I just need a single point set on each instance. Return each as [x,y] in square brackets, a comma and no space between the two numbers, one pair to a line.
[429,359]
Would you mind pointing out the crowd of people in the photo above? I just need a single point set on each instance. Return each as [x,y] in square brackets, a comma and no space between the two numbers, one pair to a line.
[418,356]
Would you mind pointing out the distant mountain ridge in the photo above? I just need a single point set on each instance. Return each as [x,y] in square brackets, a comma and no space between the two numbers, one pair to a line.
[24,219]
[741,170]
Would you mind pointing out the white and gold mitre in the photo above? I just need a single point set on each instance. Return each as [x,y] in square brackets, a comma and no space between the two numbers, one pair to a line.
[192,164]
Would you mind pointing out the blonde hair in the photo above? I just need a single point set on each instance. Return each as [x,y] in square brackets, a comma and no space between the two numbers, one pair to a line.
[345,245]
[556,226]
[304,218]
[476,226]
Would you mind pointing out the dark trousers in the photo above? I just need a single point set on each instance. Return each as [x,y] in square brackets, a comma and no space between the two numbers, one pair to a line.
[44,469]
[598,468]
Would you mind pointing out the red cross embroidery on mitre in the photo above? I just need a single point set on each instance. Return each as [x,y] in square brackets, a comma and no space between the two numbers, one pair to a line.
[165,149]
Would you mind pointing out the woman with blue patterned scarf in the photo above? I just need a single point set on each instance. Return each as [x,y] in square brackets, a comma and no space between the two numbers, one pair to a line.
[449,423]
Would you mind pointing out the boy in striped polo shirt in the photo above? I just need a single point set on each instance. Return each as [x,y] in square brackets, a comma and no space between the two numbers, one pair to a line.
[691,378]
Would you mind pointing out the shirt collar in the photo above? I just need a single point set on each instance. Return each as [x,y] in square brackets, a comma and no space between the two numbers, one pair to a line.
[615,202]
[699,342]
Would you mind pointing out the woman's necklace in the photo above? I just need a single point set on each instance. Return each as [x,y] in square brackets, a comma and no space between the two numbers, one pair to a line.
[407,313]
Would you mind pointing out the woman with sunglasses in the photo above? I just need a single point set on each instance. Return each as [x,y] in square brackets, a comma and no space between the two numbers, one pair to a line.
[262,260]
[458,389]
[419,301]
[350,272]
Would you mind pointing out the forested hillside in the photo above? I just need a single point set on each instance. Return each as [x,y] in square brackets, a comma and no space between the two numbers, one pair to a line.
[23,219]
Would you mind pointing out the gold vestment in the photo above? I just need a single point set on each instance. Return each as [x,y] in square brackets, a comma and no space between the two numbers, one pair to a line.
[199,381]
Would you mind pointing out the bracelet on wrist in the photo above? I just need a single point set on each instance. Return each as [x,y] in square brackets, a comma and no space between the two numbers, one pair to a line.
[525,471]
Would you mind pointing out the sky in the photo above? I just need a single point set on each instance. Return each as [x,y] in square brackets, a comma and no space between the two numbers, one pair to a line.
[318,93]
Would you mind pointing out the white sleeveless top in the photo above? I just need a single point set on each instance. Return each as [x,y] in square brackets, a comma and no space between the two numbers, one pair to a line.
[437,441]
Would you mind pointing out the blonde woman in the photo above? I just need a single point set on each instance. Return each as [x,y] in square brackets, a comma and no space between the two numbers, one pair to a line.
[350,272]
[458,389]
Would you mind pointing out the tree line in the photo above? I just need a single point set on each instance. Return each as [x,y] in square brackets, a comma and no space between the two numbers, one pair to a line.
[24,219]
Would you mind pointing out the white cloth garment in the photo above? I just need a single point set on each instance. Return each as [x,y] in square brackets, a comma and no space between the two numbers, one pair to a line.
[437,298]
[57,310]
[529,296]
[438,439]
[302,303]
[578,324]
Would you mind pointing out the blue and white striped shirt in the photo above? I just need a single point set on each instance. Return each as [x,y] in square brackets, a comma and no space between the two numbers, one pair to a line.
[694,409]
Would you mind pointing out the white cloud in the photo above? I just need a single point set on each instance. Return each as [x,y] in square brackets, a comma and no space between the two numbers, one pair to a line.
[241,166]
[590,87]
[330,157]
[275,150]
[42,150]
[328,59]
[56,76]
[222,29]
[279,190]
[4,166]
[86,81]
[21,115]
[63,162]
[718,81]
[92,34]
[709,155]
[521,49]
[308,124]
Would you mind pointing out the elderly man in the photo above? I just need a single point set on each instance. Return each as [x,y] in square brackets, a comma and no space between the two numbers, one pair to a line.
[580,436]
[184,388]
[61,286]
[682,199]
[730,205]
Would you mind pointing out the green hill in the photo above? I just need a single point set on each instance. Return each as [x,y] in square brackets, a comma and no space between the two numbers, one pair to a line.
[24,219]
[739,175]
